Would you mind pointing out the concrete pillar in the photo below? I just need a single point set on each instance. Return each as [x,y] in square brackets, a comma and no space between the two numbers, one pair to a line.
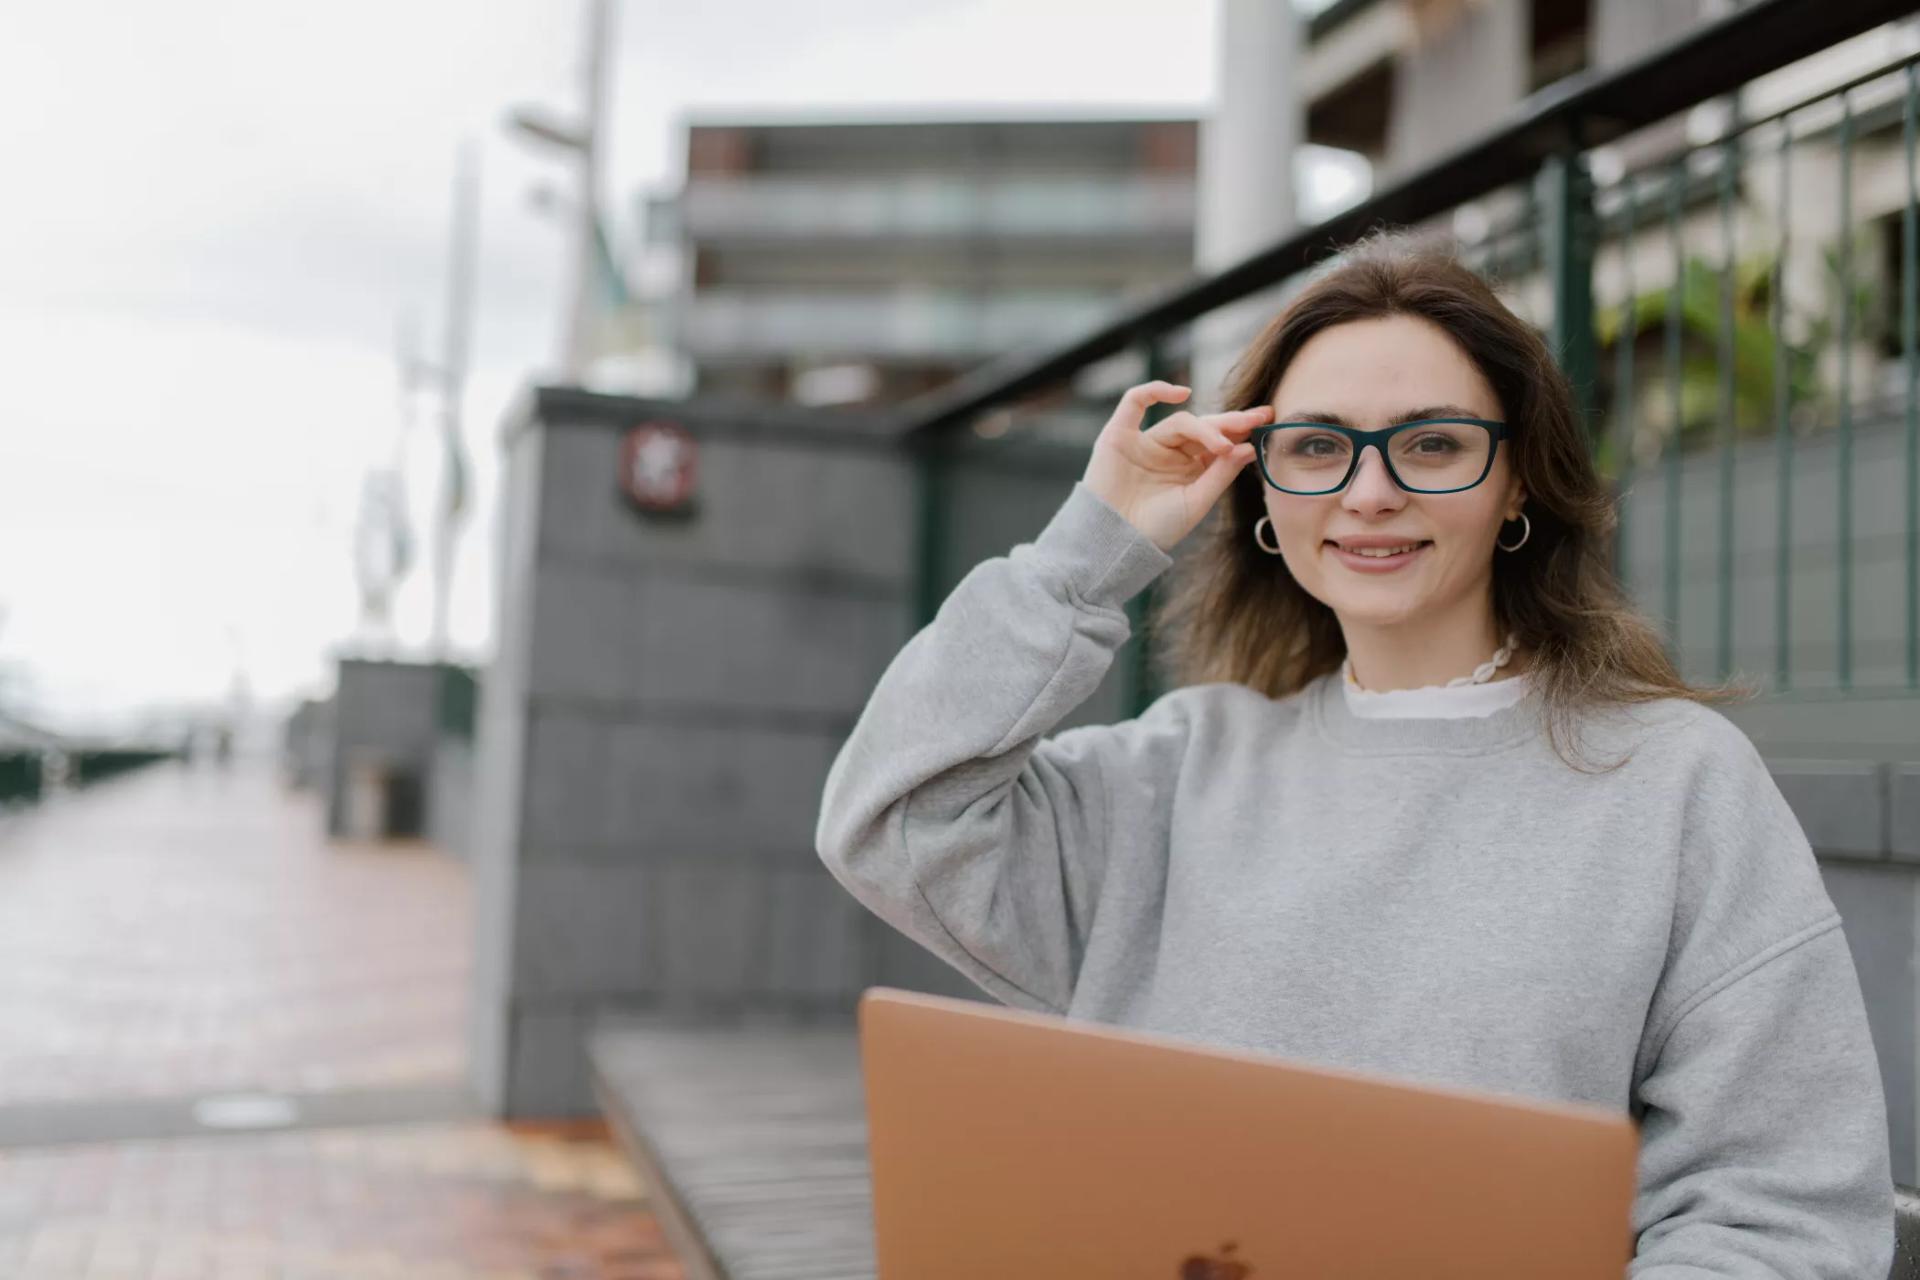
[1247,148]
[1461,78]
[1623,30]
[667,697]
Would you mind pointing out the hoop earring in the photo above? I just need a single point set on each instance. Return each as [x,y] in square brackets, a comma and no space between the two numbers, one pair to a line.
[1526,531]
[1273,550]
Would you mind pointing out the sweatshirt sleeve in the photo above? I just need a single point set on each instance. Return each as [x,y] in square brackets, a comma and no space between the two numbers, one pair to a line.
[1763,1121]
[948,814]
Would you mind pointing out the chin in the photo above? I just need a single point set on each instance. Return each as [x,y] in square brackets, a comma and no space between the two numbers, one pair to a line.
[1384,607]
[1374,613]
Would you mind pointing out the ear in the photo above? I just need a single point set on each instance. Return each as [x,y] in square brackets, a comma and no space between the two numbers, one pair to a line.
[1516,498]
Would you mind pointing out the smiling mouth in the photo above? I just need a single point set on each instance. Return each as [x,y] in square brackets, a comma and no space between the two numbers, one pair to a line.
[1382,553]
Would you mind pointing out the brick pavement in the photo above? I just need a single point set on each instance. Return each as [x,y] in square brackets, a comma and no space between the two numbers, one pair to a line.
[435,1202]
[186,930]
[181,932]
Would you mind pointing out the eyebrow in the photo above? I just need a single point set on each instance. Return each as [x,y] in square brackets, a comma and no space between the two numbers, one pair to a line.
[1411,415]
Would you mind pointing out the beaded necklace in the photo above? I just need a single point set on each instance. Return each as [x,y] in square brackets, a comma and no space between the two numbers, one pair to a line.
[1481,674]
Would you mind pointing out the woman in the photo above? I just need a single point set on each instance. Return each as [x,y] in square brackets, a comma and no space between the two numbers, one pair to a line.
[1431,800]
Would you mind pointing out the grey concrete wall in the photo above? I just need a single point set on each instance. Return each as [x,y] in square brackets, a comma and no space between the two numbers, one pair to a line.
[667,700]
[392,714]
[657,729]
[384,712]
[1863,819]
[1879,909]
[450,794]
[1460,84]
[1622,30]
[499,757]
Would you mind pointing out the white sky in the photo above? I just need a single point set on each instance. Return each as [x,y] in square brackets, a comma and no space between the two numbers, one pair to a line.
[217,211]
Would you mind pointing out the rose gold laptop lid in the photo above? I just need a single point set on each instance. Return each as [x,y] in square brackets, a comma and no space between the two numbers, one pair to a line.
[1015,1144]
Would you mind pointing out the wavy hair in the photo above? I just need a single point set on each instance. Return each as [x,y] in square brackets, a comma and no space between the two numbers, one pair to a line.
[1233,613]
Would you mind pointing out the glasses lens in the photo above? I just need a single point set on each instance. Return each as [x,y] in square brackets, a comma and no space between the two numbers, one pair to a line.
[1307,459]
[1440,455]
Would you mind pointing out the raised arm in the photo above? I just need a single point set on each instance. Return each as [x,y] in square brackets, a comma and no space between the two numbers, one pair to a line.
[948,812]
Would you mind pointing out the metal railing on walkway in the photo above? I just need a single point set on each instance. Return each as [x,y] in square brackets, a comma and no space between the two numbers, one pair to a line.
[1718,240]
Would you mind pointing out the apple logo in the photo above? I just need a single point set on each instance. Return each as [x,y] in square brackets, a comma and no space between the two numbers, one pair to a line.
[1224,1267]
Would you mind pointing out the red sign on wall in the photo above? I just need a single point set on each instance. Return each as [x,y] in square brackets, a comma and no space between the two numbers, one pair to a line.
[657,467]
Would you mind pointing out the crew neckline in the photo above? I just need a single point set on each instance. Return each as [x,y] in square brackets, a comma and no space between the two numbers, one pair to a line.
[1326,706]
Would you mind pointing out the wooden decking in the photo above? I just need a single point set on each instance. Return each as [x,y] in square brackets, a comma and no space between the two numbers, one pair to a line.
[755,1141]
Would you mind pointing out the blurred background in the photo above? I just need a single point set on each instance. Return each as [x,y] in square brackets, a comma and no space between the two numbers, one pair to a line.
[248,213]
[466,466]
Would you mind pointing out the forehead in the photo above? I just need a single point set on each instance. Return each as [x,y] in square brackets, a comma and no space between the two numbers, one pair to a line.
[1369,370]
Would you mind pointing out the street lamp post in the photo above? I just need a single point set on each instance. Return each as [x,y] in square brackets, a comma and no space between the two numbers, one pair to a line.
[462,251]
[584,140]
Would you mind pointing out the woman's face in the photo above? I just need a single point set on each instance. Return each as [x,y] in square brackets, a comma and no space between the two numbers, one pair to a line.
[1369,374]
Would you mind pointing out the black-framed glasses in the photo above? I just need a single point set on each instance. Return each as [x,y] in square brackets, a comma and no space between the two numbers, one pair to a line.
[1428,455]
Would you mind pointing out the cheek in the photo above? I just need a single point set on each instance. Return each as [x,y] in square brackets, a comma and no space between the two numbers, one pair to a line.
[1466,532]
[1292,521]
[1299,528]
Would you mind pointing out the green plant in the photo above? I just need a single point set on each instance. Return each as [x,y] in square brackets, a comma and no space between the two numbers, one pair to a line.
[1755,347]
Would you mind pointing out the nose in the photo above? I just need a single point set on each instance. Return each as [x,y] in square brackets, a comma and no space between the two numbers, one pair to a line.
[1372,490]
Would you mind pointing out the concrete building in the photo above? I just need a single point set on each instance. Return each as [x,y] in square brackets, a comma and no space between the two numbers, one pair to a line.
[848,261]
[1404,81]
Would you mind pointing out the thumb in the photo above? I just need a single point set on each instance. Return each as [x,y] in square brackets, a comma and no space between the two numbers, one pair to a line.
[1219,475]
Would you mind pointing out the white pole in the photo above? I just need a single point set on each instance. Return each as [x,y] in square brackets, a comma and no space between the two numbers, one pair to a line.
[461,254]
[1246,170]
[580,335]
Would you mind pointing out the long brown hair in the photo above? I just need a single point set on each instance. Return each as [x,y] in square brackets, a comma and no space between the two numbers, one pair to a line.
[1234,613]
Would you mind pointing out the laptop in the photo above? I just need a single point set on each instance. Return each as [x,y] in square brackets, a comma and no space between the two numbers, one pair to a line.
[1013,1144]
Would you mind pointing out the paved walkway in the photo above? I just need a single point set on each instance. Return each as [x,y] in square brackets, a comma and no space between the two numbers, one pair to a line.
[187,932]
[441,1202]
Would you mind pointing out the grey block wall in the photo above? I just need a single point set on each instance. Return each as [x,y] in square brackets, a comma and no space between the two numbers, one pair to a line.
[450,794]
[395,714]
[1862,821]
[668,697]
[384,712]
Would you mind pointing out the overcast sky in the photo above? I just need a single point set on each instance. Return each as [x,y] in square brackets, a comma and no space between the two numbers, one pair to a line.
[217,210]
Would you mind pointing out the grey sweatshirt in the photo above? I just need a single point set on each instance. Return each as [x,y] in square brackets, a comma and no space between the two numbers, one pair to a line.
[1444,900]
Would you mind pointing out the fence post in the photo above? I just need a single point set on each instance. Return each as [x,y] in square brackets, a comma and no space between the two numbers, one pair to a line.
[1566,201]
[930,532]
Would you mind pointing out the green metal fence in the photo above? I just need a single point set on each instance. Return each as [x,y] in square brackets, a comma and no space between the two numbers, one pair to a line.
[1742,362]
[1730,283]
[97,765]
[20,777]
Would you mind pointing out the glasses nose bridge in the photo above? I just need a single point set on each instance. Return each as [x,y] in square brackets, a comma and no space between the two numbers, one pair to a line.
[1360,464]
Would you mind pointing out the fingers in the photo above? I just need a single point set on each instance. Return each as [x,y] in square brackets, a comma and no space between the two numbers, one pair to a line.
[1214,433]
[1132,410]
[1241,421]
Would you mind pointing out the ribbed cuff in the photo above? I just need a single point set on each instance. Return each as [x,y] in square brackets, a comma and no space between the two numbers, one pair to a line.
[1106,560]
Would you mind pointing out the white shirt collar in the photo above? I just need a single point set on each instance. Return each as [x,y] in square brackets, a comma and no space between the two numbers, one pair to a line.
[1433,702]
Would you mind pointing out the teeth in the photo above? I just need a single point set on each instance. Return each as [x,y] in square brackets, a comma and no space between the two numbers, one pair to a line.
[1379,553]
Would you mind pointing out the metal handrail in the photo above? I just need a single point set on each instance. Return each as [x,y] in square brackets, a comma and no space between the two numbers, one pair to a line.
[1581,111]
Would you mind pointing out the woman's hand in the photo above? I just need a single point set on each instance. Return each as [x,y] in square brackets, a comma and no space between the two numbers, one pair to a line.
[1164,480]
